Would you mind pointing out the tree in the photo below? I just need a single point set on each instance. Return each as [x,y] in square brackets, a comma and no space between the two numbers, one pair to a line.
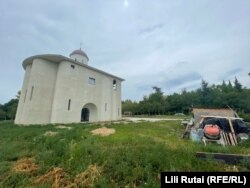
[2,114]
[8,110]
[205,94]
[223,86]
[18,94]
[129,106]
[157,101]
[213,96]
[230,84]
[157,90]
[237,85]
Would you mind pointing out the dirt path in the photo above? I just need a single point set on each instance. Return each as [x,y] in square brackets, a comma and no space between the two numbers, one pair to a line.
[136,119]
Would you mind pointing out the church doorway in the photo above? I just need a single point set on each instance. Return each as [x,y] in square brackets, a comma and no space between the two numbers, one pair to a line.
[89,113]
[85,114]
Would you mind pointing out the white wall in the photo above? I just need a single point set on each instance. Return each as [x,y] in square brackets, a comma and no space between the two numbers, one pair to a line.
[57,83]
[24,95]
[79,58]
[73,84]
[37,106]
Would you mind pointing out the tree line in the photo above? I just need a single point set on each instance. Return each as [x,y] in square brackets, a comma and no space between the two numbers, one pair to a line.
[223,95]
[8,110]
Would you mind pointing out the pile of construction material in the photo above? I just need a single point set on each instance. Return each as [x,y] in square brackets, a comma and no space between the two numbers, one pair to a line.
[224,128]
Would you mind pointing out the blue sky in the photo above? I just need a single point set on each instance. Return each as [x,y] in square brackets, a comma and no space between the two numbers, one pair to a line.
[172,44]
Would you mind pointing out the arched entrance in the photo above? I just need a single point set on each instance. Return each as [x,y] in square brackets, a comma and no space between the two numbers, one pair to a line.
[85,114]
[89,113]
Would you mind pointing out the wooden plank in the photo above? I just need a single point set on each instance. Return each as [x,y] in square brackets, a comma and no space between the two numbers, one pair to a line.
[199,122]
[204,116]
[232,130]
[222,157]
[225,138]
[231,139]
[228,139]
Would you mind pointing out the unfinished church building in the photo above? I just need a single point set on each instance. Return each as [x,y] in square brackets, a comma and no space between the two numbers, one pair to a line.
[58,89]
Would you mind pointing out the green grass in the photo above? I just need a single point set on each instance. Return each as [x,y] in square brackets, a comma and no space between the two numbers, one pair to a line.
[134,156]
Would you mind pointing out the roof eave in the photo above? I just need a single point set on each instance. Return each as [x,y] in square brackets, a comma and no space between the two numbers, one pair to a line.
[58,58]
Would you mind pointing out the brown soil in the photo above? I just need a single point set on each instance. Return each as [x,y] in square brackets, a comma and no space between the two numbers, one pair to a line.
[25,165]
[103,131]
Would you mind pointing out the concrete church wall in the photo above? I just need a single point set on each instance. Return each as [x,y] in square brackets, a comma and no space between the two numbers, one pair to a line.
[24,95]
[61,90]
[72,86]
[40,92]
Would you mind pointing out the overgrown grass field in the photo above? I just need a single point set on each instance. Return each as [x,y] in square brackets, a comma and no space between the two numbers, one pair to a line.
[132,157]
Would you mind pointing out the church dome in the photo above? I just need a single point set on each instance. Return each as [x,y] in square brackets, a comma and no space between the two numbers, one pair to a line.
[79,52]
[80,56]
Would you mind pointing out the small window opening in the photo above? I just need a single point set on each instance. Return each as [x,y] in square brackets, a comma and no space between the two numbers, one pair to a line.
[69,104]
[25,96]
[114,85]
[31,92]
[91,81]
[72,66]
[106,107]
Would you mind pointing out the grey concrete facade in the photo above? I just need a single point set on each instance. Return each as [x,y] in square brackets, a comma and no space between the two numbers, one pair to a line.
[57,89]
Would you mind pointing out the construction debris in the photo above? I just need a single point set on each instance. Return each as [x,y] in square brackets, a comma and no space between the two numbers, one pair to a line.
[219,128]
[104,131]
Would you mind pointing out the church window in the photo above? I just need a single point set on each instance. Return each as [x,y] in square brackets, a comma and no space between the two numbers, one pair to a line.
[69,104]
[25,96]
[106,107]
[91,81]
[114,85]
[31,92]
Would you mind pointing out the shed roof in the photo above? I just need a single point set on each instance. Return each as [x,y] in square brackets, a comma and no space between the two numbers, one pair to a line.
[225,112]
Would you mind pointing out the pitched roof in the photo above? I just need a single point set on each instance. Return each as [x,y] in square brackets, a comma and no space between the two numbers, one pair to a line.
[58,58]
